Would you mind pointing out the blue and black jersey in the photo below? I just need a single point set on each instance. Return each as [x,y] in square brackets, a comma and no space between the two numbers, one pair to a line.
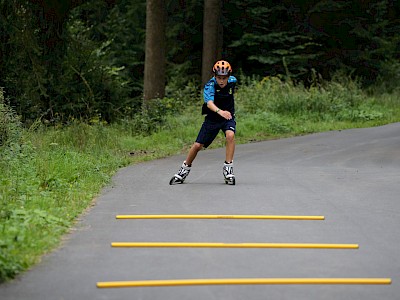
[223,98]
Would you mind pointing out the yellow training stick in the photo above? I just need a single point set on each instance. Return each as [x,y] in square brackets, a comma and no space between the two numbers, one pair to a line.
[236,281]
[254,217]
[232,245]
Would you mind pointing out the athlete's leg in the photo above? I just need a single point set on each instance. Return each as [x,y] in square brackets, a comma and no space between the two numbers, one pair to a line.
[230,145]
[229,129]
[207,134]
[196,147]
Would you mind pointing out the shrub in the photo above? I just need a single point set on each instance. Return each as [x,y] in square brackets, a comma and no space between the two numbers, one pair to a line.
[10,125]
[341,100]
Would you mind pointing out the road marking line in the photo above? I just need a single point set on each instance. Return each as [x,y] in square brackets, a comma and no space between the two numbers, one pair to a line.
[258,217]
[234,281]
[233,245]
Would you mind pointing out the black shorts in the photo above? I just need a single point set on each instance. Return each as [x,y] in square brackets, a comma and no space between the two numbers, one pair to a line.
[210,129]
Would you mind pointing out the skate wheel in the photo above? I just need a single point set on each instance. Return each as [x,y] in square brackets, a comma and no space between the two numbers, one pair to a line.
[230,181]
[175,180]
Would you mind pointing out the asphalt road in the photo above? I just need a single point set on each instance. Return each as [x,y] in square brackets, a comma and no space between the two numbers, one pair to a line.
[351,177]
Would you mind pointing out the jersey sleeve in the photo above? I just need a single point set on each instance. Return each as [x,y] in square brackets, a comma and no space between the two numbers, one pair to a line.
[209,91]
[232,79]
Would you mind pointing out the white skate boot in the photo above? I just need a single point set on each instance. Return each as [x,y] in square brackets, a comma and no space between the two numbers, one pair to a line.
[228,173]
[181,175]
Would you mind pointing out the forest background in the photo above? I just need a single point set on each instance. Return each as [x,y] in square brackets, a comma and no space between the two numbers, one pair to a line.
[85,59]
[73,111]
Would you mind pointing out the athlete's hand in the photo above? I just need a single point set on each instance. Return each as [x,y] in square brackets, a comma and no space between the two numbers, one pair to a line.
[225,114]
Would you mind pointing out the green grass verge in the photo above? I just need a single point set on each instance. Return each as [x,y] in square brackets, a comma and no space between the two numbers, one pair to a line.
[53,174]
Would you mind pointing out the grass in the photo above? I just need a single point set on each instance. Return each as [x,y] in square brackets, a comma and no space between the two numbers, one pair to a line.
[51,175]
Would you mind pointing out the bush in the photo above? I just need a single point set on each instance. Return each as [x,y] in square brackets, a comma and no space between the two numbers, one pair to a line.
[10,125]
[340,100]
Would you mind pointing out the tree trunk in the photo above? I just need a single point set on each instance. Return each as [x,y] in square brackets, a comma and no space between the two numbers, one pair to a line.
[154,65]
[212,37]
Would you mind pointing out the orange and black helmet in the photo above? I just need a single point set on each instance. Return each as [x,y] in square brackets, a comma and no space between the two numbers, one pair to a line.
[222,67]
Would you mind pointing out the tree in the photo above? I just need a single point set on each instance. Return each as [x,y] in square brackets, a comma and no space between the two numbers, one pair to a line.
[86,58]
[52,16]
[212,37]
[154,66]
[184,44]
[359,36]
[271,40]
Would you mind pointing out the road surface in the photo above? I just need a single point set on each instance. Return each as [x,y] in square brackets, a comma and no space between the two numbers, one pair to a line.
[351,177]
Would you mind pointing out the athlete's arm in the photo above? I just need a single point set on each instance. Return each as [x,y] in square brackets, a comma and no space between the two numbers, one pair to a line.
[223,113]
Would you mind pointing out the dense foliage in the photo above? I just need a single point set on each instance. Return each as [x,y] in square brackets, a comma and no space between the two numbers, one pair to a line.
[359,36]
[85,59]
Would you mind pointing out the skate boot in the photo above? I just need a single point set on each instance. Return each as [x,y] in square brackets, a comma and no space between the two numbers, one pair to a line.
[181,175]
[228,173]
